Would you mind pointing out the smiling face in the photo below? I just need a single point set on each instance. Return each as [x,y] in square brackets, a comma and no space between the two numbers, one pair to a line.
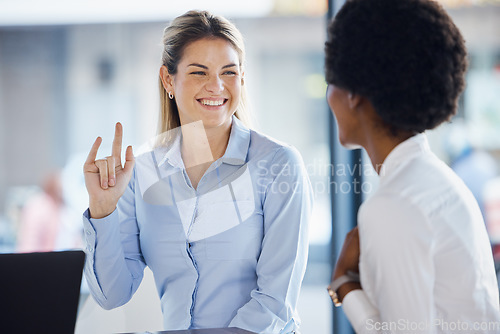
[207,85]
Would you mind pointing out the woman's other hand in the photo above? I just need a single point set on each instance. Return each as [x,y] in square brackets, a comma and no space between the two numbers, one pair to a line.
[348,261]
[106,179]
[349,255]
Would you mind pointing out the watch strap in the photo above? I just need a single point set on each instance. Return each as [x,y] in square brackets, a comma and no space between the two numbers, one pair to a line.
[339,281]
[349,277]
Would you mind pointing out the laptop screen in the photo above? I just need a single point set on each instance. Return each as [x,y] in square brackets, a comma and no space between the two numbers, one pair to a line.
[39,292]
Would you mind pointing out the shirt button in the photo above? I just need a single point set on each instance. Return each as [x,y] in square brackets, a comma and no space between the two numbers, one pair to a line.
[90,248]
[89,233]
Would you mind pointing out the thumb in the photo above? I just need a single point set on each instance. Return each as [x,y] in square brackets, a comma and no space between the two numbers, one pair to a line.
[129,161]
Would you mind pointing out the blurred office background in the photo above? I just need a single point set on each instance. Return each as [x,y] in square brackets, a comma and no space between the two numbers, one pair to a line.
[69,70]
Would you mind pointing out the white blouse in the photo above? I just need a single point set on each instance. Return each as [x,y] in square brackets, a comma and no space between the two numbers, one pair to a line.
[426,263]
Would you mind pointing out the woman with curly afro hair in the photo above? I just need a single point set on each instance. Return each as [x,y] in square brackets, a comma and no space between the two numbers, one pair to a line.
[420,259]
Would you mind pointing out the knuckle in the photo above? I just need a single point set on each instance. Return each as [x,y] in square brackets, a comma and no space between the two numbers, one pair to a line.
[100,163]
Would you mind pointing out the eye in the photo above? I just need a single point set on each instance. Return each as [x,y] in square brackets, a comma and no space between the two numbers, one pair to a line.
[198,73]
[229,73]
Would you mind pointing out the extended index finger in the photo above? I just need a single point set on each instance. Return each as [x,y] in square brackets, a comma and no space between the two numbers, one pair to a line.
[117,142]
[93,151]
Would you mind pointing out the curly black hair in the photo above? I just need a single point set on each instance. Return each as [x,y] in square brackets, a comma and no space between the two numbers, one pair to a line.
[406,57]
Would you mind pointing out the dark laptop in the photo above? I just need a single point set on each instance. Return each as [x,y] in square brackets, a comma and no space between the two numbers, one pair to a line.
[39,292]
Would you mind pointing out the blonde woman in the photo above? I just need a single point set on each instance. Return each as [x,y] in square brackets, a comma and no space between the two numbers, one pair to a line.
[218,211]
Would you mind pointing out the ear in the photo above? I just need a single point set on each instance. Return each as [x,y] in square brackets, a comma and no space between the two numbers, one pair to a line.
[354,100]
[167,79]
[242,78]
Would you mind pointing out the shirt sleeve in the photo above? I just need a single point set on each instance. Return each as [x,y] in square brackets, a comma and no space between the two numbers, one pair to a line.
[114,264]
[282,263]
[396,241]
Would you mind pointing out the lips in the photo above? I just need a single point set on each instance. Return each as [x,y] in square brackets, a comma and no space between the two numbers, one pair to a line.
[213,102]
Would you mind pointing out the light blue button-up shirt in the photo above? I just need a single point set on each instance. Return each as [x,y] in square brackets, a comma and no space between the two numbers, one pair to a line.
[230,253]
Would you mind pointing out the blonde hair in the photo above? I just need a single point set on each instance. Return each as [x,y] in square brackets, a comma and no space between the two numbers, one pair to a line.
[187,28]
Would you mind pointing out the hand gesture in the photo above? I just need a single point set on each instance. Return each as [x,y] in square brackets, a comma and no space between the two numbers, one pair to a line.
[349,255]
[106,179]
[348,261]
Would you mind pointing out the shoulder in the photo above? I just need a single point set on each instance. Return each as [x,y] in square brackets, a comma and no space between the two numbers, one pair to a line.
[275,151]
[420,196]
[427,182]
[144,162]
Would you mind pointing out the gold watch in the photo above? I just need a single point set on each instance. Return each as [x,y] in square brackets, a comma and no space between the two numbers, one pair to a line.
[337,283]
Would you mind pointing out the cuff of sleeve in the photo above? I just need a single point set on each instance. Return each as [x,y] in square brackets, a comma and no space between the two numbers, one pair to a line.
[358,309]
[105,224]
[98,228]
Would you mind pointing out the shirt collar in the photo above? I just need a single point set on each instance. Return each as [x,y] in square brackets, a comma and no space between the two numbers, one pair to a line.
[403,152]
[236,151]
[237,147]
[171,153]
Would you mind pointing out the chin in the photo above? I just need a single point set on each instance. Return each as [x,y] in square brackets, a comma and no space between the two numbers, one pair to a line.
[353,146]
[215,122]
[349,145]
[214,118]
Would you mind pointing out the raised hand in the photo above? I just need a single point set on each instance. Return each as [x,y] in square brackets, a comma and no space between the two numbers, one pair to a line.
[106,179]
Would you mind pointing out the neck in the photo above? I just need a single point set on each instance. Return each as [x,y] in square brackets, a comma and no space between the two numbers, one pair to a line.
[373,134]
[201,145]
[379,147]
[218,139]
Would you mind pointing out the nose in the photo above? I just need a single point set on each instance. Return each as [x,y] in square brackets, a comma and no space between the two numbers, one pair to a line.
[214,84]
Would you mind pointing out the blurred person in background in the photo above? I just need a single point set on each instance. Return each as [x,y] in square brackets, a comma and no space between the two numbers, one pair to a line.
[46,225]
[219,212]
[395,68]
[475,166]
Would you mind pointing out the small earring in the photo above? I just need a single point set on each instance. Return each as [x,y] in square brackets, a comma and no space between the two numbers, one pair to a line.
[170,95]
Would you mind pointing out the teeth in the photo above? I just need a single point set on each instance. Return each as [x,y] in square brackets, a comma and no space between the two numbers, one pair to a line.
[212,103]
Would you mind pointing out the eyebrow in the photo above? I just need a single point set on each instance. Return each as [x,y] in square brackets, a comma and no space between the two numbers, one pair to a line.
[206,68]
